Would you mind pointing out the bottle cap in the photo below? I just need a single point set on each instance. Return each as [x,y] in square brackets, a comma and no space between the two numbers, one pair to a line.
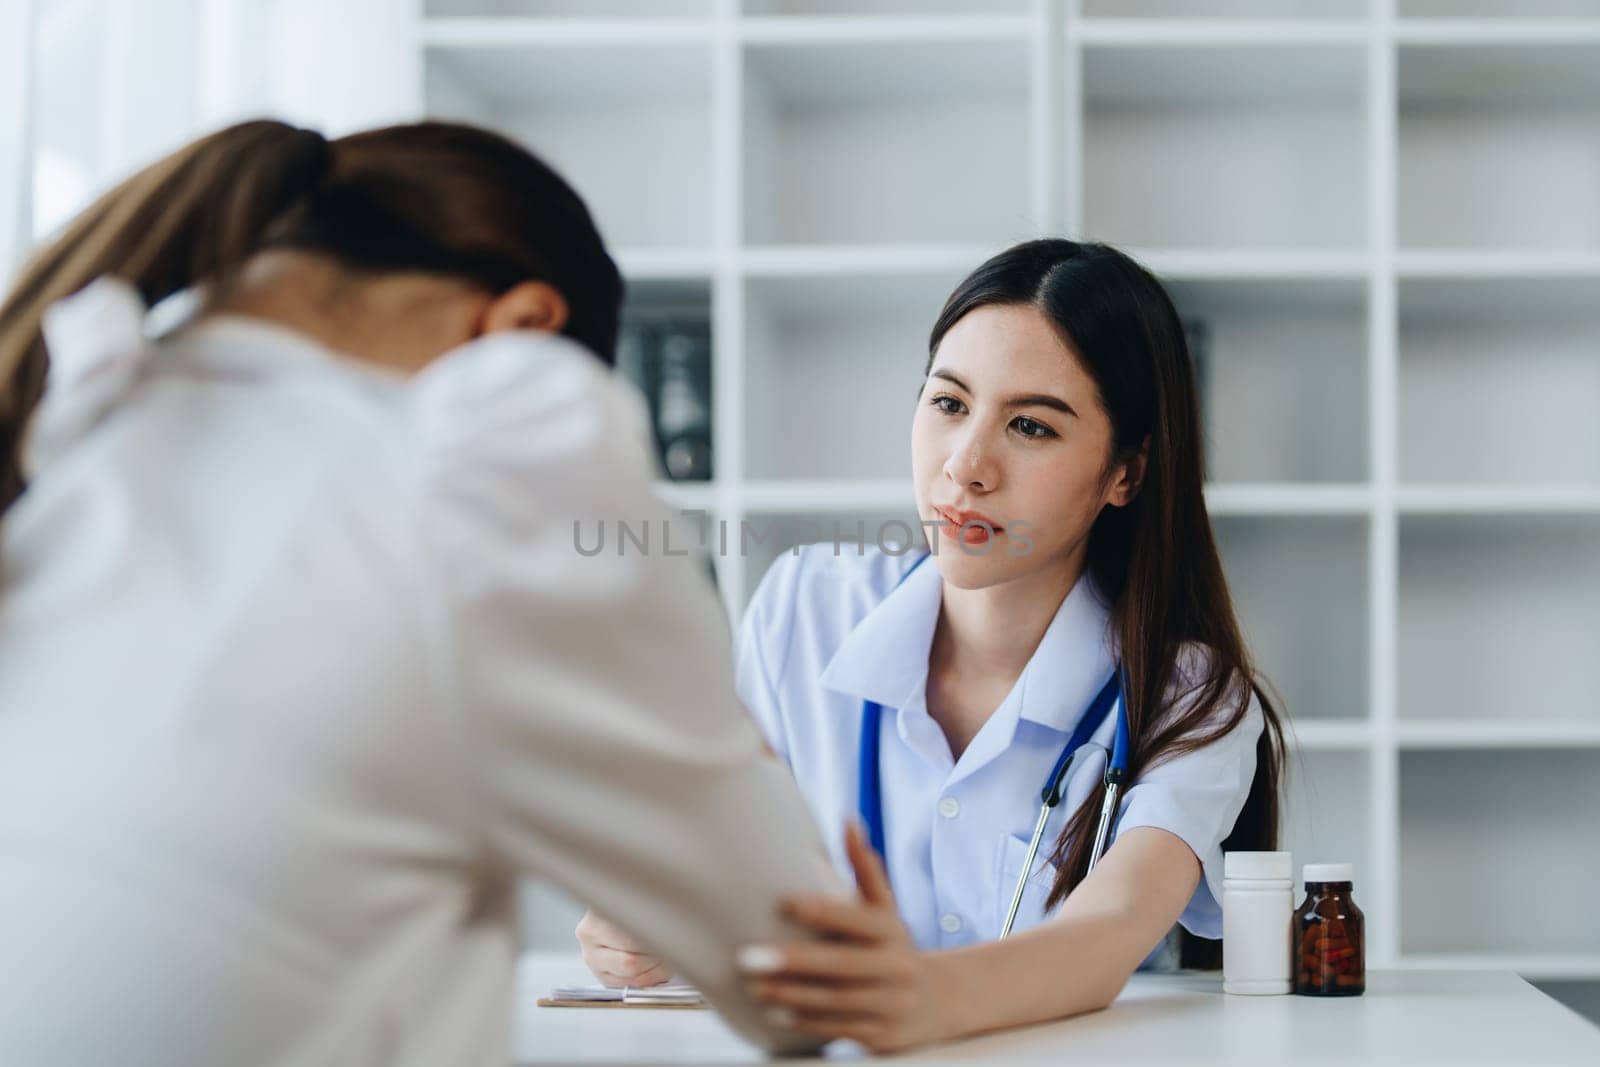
[1258,865]
[1329,872]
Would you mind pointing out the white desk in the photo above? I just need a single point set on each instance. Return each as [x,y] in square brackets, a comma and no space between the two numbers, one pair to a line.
[1405,1017]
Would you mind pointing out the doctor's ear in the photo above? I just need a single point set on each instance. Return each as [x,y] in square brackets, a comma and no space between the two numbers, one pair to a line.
[528,306]
[1128,476]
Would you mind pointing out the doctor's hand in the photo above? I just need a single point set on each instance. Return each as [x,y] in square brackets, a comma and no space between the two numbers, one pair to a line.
[866,980]
[615,958]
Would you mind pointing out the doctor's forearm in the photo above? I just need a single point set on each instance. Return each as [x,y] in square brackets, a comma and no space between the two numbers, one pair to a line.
[1068,966]
[1080,960]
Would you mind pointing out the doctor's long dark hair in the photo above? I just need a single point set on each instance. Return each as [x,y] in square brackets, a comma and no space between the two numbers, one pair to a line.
[1156,559]
[434,197]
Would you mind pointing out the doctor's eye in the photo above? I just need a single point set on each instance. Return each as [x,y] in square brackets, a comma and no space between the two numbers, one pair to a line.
[948,404]
[1032,427]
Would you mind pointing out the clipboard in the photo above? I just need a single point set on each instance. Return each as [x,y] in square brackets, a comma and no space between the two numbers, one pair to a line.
[670,997]
[557,1002]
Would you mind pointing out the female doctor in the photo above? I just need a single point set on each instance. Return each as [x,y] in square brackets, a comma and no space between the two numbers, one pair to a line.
[1072,593]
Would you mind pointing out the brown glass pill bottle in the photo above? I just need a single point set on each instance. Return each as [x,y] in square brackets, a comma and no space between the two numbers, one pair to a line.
[1329,953]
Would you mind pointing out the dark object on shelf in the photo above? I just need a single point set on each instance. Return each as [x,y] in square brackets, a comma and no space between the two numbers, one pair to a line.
[1329,936]
[683,405]
[635,361]
[668,357]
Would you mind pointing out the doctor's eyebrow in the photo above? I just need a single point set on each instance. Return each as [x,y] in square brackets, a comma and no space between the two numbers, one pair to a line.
[1026,400]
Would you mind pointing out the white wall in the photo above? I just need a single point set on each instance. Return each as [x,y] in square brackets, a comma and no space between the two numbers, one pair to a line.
[95,89]
[16,59]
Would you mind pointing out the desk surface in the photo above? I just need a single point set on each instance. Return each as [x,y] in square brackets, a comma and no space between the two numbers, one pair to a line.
[1405,1017]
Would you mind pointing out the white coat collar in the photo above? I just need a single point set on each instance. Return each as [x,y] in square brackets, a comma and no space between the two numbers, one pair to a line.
[103,339]
[96,347]
[1073,660]
[252,347]
[885,657]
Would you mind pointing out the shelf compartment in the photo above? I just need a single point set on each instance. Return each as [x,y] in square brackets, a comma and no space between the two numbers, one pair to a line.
[1582,996]
[1327,811]
[1329,735]
[1496,31]
[654,313]
[1224,499]
[1225,9]
[1498,264]
[1496,618]
[833,366]
[1498,9]
[628,125]
[1499,382]
[1552,965]
[1283,378]
[1473,825]
[886,143]
[1498,500]
[663,264]
[586,9]
[1299,585]
[1226,146]
[1501,734]
[1499,147]
[668,295]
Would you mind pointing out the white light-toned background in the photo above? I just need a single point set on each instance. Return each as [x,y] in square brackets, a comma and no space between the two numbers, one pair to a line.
[1387,211]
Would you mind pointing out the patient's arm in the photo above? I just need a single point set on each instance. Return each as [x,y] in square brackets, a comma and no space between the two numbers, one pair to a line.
[604,746]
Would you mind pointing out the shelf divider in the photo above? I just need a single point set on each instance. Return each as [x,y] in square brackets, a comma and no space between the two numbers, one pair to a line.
[1384,547]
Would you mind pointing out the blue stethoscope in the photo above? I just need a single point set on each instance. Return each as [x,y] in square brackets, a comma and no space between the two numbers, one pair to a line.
[1109,698]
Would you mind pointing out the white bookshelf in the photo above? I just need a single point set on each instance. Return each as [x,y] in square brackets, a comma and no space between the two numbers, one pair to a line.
[1388,213]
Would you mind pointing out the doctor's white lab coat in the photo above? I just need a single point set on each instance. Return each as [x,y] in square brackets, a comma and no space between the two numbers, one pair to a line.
[300,667]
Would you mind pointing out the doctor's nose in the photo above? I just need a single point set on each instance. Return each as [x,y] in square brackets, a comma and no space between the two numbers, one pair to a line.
[971,466]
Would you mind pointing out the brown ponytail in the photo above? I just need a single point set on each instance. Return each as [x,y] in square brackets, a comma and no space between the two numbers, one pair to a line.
[435,197]
[197,214]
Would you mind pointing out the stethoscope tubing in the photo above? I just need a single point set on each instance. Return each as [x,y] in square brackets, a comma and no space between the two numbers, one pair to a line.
[870,782]
[870,796]
[1116,766]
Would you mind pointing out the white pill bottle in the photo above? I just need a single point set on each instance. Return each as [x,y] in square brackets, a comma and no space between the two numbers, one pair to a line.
[1257,911]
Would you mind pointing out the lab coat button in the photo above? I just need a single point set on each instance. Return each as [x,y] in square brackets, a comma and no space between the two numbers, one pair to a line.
[949,807]
[949,923]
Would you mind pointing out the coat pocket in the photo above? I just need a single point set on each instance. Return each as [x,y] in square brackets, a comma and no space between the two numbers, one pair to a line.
[1014,850]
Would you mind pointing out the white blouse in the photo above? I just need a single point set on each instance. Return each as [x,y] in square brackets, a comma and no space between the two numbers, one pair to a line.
[300,666]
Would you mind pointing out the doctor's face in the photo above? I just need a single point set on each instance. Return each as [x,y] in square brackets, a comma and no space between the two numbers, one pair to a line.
[1010,430]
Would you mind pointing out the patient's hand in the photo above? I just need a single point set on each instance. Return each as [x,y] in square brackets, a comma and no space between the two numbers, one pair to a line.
[615,958]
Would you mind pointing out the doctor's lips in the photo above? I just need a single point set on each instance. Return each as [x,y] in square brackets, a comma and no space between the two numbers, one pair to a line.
[969,527]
